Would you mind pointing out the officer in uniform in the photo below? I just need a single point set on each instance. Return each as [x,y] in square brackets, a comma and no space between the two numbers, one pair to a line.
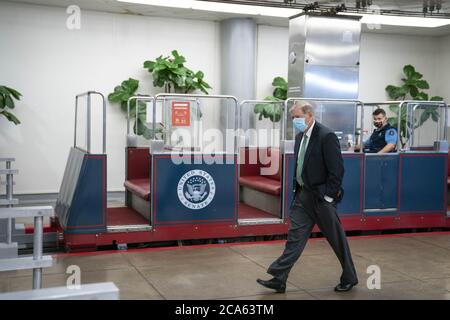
[384,137]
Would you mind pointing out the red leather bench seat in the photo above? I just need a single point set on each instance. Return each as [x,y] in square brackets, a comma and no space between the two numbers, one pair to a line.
[262,184]
[251,174]
[140,187]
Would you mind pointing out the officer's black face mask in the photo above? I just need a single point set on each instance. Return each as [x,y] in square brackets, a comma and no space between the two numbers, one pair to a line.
[378,124]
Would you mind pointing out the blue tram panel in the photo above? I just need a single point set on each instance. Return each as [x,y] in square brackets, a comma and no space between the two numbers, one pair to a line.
[81,204]
[423,184]
[194,193]
[353,178]
[381,184]
[351,203]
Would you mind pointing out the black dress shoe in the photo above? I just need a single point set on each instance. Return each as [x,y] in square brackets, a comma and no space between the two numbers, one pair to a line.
[344,287]
[274,284]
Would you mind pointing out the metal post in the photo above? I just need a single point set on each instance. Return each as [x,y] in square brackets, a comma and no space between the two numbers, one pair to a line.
[104,125]
[88,132]
[37,250]
[399,123]
[445,121]
[9,197]
[75,128]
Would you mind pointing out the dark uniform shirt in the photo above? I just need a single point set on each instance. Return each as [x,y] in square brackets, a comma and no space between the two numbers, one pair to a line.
[380,138]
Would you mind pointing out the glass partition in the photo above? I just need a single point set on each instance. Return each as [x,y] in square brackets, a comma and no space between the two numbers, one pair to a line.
[422,123]
[194,123]
[261,123]
[425,123]
[344,117]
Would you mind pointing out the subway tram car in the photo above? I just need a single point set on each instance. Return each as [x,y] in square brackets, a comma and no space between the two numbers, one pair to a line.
[218,167]
[214,170]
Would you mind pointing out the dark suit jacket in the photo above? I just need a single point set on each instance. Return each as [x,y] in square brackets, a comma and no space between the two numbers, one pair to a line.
[323,167]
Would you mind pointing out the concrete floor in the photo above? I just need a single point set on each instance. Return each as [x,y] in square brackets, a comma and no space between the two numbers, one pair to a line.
[412,267]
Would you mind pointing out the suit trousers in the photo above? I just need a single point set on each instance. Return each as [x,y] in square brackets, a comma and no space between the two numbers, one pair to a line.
[306,212]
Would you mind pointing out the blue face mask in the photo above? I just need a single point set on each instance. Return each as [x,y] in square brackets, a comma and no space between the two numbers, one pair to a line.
[299,124]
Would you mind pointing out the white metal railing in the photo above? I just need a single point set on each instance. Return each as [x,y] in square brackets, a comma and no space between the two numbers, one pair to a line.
[8,200]
[37,261]
[94,291]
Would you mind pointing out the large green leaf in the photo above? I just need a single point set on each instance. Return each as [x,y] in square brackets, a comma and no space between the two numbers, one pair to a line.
[130,85]
[435,116]
[268,110]
[4,90]
[9,102]
[422,84]
[421,96]
[423,117]
[149,65]
[179,60]
[409,71]
[280,82]
[116,96]
[10,117]
[395,92]
[199,75]
[413,91]
[14,93]
[437,98]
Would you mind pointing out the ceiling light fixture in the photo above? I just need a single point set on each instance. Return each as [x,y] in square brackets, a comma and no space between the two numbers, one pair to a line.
[390,20]
[220,7]
[251,10]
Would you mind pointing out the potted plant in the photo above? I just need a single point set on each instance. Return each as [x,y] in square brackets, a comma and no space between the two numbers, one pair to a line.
[171,73]
[121,95]
[7,96]
[412,88]
[270,110]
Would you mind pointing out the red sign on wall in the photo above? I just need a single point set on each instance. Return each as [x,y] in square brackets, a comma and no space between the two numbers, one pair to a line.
[181,115]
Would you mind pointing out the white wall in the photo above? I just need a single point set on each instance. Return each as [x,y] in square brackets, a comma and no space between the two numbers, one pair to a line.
[272,53]
[383,57]
[50,64]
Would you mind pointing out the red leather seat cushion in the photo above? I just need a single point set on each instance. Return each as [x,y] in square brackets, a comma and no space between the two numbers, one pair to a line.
[261,184]
[140,187]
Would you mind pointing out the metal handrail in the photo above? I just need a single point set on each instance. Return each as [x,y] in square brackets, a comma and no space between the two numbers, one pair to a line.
[38,213]
[137,98]
[88,127]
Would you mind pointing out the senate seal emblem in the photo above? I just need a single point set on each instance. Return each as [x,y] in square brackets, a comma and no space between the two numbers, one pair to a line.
[196,189]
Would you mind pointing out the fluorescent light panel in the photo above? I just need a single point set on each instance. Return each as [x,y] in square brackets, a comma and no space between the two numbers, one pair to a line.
[370,19]
[220,7]
[380,19]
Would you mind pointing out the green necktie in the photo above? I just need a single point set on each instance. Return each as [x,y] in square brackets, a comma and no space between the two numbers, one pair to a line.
[301,158]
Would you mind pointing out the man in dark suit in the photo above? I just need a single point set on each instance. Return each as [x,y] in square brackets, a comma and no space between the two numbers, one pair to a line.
[318,179]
